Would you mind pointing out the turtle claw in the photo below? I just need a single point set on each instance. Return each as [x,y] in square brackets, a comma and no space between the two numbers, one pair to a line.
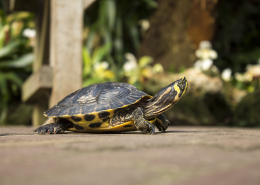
[150,130]
[50,130]
[161,128]
[42,130]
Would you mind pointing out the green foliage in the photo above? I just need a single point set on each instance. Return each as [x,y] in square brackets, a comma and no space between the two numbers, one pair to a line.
[112,28]
[138,72]
[237,36]
[116,22]
[15,58]
[247,111]
[95,70]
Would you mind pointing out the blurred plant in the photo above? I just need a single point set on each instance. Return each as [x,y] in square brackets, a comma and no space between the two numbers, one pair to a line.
[226,75]
[30,34]
[138,72]
[206,54]
[118,22]
[96,70]
[15,58]
[250,80]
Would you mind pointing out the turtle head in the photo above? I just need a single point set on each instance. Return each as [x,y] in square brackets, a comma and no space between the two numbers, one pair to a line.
[166,97]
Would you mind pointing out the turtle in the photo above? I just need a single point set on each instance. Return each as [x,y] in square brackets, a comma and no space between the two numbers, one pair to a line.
[113,107]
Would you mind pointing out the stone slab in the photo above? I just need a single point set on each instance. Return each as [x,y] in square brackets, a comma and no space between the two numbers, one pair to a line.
[182,156]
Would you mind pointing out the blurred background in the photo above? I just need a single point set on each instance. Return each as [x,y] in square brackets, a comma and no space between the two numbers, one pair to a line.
[147,43]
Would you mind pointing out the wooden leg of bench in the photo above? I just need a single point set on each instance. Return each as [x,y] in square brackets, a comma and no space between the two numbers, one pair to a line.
[38,109]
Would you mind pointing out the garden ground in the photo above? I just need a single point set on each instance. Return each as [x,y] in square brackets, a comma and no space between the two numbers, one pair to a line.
[182,156]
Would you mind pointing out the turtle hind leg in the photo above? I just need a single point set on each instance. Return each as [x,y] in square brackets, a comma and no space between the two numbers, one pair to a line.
[140,122]
[161,122]
[58,127]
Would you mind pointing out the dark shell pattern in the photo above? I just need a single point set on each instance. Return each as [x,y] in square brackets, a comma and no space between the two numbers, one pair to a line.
[96,98]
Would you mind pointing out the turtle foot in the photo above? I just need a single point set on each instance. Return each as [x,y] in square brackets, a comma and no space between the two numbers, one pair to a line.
[150,130]
[140,122]
[52,128]
[162,123]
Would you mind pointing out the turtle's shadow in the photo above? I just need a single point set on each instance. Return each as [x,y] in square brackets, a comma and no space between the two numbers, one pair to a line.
[135,132]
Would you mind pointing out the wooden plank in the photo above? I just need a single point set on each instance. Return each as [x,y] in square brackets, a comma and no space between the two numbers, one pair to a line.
[42,26]
[41,51]
[38,109]
[38,85]
[66,47]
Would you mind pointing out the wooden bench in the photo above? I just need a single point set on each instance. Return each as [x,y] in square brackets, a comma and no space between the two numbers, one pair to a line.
[57,68]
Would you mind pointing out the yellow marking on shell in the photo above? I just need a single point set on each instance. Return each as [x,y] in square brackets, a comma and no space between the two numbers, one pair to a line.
[95,120]
[105,127]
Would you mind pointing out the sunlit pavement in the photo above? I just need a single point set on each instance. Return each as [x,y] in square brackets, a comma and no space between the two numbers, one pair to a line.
[182,155]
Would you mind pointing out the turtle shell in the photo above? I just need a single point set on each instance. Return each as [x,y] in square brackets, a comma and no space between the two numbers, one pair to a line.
[96,98]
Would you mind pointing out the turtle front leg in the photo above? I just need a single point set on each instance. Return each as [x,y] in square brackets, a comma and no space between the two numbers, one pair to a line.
[140,122]
[52,127]
[162,122]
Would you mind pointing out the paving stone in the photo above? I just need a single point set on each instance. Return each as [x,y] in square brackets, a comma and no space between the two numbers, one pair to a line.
[182,155]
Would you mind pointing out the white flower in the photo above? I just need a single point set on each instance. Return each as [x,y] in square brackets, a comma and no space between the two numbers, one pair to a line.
[205,51]
[101,65]
[131,64]
[226,74]
[205,44]
[203,65]
[253,69]
[145,25]
[206,64]
[197,64]
[130,57]
[30,33]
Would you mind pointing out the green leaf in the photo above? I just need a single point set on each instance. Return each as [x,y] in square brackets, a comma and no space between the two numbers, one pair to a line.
[100,52]
[3,85]
[2,37]
[91,38]
[144,61]
[91,81]
[118,41]
[86,61]
[14,78]
[111,13]
[151,3]
[8,49]
[133,34]
[23,61]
